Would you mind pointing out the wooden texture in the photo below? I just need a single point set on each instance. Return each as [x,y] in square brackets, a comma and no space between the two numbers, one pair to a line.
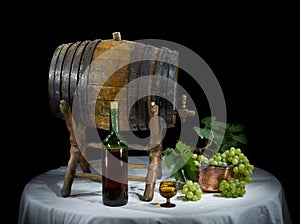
[154,169]
[94,72]
[75,153]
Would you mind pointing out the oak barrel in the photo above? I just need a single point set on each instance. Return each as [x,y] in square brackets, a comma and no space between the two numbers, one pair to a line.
[92,73]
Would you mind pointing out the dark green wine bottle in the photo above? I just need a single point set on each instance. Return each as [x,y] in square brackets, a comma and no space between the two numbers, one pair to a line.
[114,163]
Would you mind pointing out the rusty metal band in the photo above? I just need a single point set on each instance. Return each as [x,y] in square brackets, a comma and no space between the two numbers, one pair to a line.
[151,73]
[156,83]
[144,88]
[83,78]
[163,87]
[75,68]
[66,72]
[74,77]
[171,86]
[51,78]
[132,91]
[58,78]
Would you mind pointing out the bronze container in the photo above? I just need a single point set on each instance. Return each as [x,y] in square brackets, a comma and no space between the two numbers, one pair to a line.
[211,176]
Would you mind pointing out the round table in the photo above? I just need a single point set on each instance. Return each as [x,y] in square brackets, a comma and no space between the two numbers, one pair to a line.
[41,202]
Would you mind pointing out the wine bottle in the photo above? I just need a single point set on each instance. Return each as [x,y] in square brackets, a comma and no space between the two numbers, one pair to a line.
[114,163]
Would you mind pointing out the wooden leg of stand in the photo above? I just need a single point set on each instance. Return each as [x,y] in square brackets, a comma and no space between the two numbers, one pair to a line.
[154,167]
[84,164]
[71,170]
[75,154]
[81,137]
[155,159]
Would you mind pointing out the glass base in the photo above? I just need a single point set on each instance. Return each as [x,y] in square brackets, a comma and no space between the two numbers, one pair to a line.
[167,205]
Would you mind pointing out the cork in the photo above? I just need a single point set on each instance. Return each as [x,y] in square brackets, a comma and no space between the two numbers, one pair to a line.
[117,36]
[114,105]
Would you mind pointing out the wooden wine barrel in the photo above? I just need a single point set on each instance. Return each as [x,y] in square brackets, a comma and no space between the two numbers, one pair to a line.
[90,74]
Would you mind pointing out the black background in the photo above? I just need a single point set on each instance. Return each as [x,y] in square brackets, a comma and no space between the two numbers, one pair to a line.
[256,70]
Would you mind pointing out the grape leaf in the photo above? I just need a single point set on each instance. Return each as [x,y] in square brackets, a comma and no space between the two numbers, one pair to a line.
[178,176]
[171,160]
[211,121]
[235,127]
[240,138]
[182,148]
[191,165]
[167,151]
[207,121]
[189,170]
[219,136]
[203,133]
[219,125]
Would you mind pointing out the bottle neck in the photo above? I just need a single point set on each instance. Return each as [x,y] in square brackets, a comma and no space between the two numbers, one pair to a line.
[114,121]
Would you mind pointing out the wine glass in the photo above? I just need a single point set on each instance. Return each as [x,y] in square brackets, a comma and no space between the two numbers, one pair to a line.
[168,189]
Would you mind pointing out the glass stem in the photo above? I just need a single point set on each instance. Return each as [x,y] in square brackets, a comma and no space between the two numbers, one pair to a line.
[168,200]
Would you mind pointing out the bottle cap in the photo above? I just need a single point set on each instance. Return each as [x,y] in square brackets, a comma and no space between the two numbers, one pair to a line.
[114,105]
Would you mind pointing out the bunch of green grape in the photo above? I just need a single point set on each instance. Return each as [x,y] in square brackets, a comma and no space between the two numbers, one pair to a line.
[242,168]
[232,188]
[192,190]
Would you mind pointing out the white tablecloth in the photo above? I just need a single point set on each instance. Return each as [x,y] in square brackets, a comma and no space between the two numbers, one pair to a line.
[41,203]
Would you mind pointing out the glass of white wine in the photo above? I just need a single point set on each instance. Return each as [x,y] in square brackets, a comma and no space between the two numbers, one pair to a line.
[168,189]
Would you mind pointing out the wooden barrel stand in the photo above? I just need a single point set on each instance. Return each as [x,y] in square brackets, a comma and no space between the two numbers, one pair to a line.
[154,166]
[105,68]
